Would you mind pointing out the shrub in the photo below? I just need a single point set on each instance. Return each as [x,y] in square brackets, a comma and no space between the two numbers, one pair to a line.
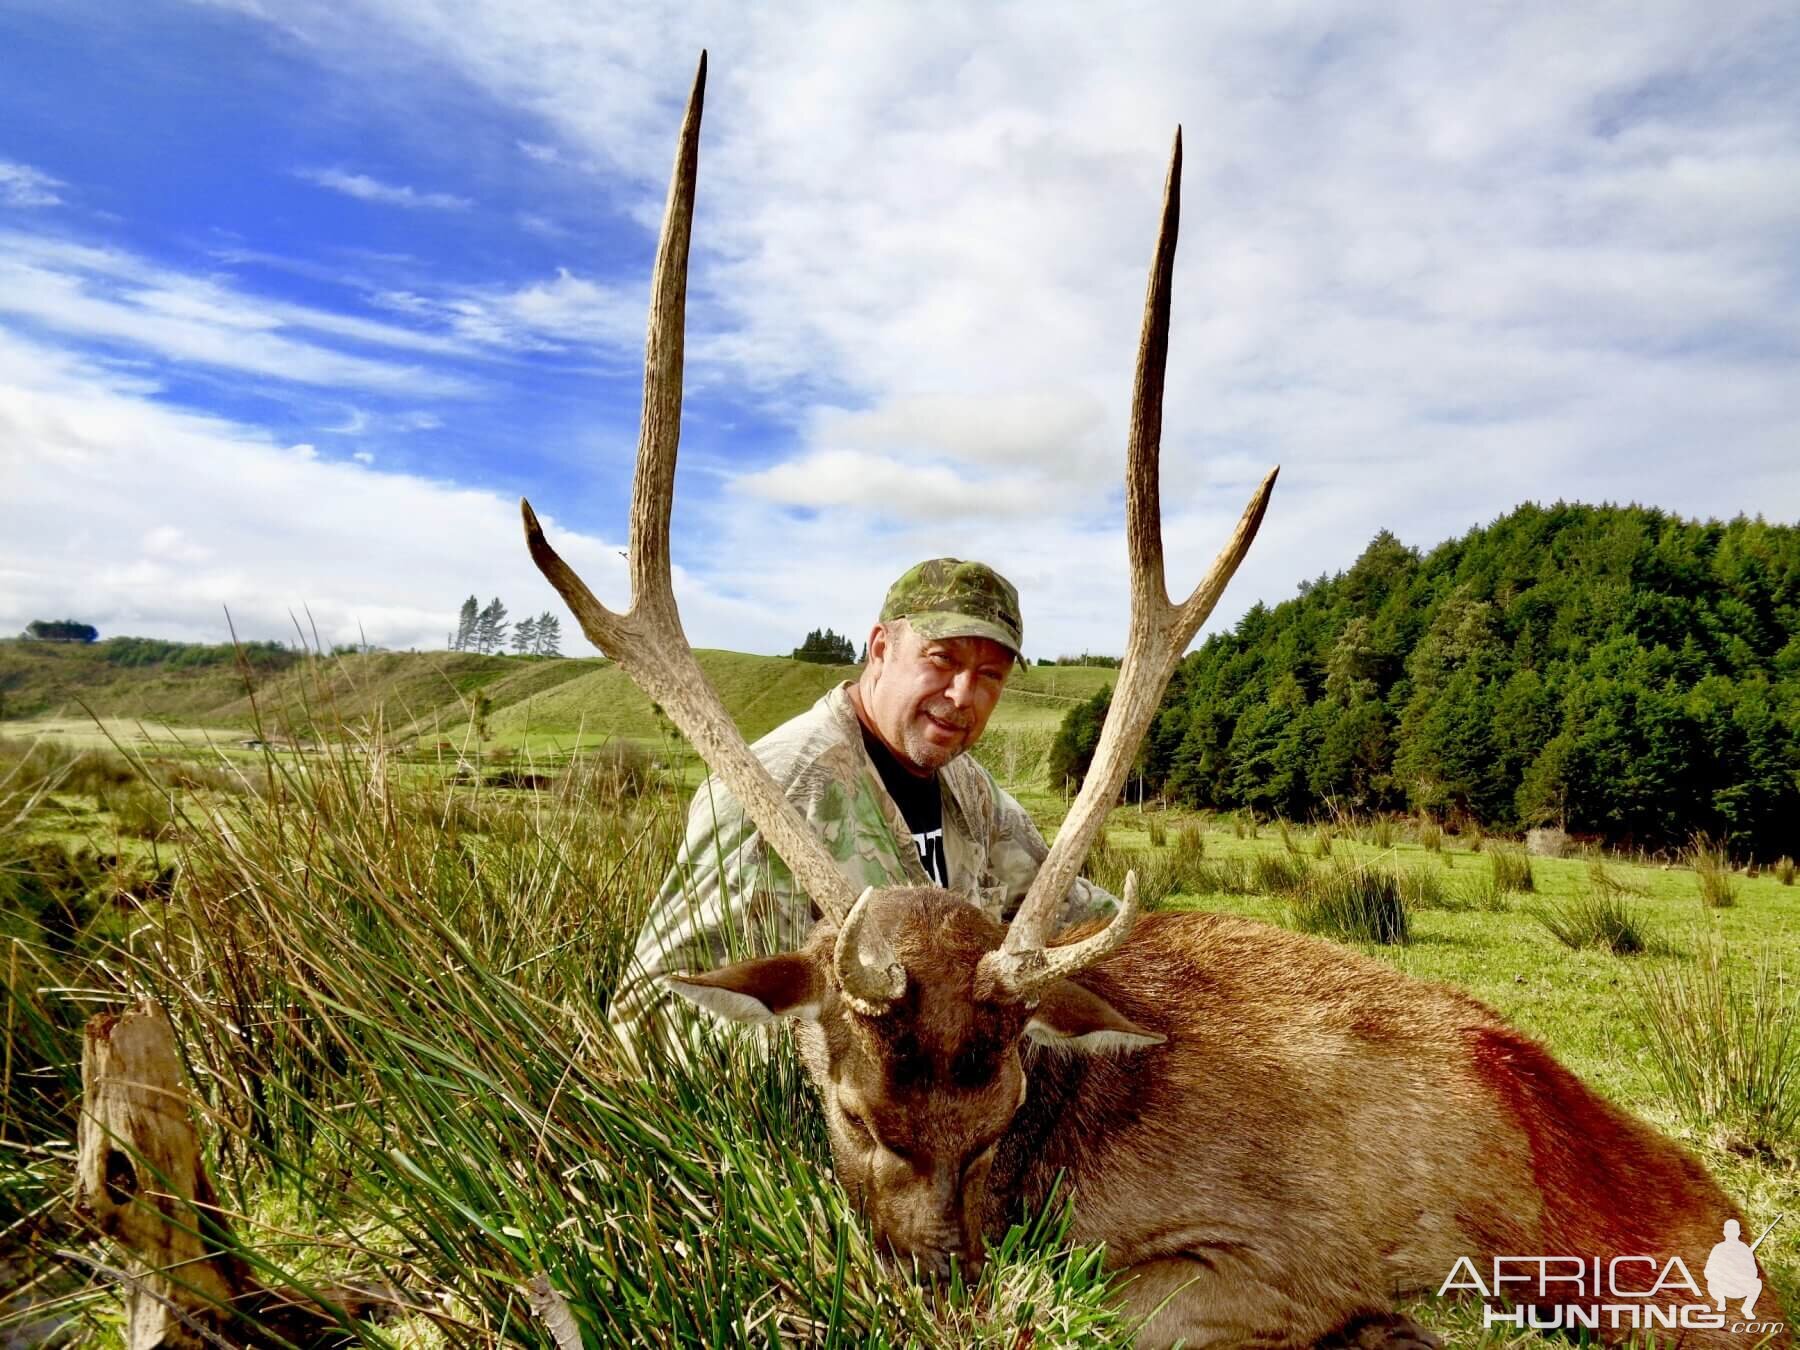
[1357,904]
[1712,869]
[1512,869]
[1546,842]
[1725,1040]
[1279,873]
[1594,919]
[1784,870]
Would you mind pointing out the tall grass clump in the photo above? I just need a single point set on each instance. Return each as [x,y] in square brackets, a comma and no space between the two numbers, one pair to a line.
[1784,870]
[1431,835]
[1594,919]
[1354,904]
[1712,870]
[1190,841]
[1158,829]
[1322,841]
[1511,869]
[1287,837]
[1279,873]
[1380,832]
[1424,888]
[1724,1038]
[393,991]
[1603,881]
[1484,893]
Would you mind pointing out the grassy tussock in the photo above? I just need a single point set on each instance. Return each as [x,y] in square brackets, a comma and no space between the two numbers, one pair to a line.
[1158,829]
[1322,841]
[1431,835]
[1512,869]
[1712,871]
[1354,904]
[1724,1036]
[1595,918]
[1279,873]
[1784,870]
[1380,833]
[393,994]
[1424,888]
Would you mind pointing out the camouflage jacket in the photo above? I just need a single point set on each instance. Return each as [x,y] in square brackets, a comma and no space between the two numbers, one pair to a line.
[728,897]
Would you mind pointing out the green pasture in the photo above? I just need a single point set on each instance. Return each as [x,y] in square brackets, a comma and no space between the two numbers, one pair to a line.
[453,944]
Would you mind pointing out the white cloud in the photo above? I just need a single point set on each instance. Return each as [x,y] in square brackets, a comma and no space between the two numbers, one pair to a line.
[22,185]
[111,296]
[905,490]
[1433,261]
[540,315]
[367,189]
[263,530]
[543,154]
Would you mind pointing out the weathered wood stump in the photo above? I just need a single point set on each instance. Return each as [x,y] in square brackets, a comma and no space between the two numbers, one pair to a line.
[144,1183]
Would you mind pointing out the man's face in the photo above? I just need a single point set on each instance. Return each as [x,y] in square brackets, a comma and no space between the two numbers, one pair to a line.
[930,698]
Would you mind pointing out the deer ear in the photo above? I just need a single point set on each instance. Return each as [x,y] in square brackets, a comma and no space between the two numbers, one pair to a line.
[1077,1020]
[762,991]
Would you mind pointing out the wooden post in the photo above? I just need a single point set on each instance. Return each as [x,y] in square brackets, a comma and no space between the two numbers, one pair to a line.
[143,1181]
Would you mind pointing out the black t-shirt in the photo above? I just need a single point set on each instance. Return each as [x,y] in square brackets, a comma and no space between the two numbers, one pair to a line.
[920,800]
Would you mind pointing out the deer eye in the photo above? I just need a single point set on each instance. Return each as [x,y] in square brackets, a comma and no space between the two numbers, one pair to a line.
[858,1126]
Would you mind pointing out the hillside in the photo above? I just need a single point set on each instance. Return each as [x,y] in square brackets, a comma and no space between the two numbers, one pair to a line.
[1618,671]
[435,694]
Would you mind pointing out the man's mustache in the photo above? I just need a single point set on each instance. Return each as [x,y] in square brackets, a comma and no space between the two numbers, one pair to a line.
[948,714]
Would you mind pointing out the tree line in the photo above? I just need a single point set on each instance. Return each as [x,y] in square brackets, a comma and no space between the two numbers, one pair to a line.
[483,629]
[1616,671]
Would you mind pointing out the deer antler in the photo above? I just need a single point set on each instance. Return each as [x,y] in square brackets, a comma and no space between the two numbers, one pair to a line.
[647,639]
[1160,633]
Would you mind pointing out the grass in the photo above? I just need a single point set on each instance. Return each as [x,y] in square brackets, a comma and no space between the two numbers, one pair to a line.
[1784,870]
[1354,903]
[1599,919]
[392,985]
[1712,872]
[1511,869]
[1725,1041]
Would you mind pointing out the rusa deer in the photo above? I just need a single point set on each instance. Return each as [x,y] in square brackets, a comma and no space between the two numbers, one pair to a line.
[1271,1134]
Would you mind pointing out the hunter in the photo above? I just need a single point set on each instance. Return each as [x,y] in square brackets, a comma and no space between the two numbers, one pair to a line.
[878,769]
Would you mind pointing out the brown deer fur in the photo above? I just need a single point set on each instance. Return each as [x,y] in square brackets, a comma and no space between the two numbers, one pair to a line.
[1314,1133]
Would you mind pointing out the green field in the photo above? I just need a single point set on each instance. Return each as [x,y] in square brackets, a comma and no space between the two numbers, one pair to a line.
[455,943]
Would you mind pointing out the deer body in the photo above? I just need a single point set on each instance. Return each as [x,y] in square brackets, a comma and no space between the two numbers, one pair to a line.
[1283,1136]
[1271,1134]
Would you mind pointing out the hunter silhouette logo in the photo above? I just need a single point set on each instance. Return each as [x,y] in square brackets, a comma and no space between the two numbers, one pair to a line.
[1635,1292]
[1731,1268]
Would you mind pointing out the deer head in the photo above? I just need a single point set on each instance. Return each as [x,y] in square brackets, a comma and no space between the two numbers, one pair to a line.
[913,1009]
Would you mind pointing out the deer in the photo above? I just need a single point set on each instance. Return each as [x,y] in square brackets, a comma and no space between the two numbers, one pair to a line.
[1272,1135]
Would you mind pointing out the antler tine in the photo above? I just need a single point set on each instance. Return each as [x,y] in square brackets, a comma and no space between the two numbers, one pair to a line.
[647,640]
[1160,632]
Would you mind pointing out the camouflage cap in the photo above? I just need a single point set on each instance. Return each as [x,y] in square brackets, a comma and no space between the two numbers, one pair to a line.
[947,597]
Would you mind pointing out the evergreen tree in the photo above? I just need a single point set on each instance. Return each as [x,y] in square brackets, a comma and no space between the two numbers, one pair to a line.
[490,627]
[826,648]
[466,623]
[549,634]
[524,638]
[1616,670]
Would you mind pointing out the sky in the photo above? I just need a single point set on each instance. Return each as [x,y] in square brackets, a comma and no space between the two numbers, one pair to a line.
[298,299]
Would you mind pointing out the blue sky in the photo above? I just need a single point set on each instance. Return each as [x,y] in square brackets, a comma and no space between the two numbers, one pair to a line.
[296,300]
